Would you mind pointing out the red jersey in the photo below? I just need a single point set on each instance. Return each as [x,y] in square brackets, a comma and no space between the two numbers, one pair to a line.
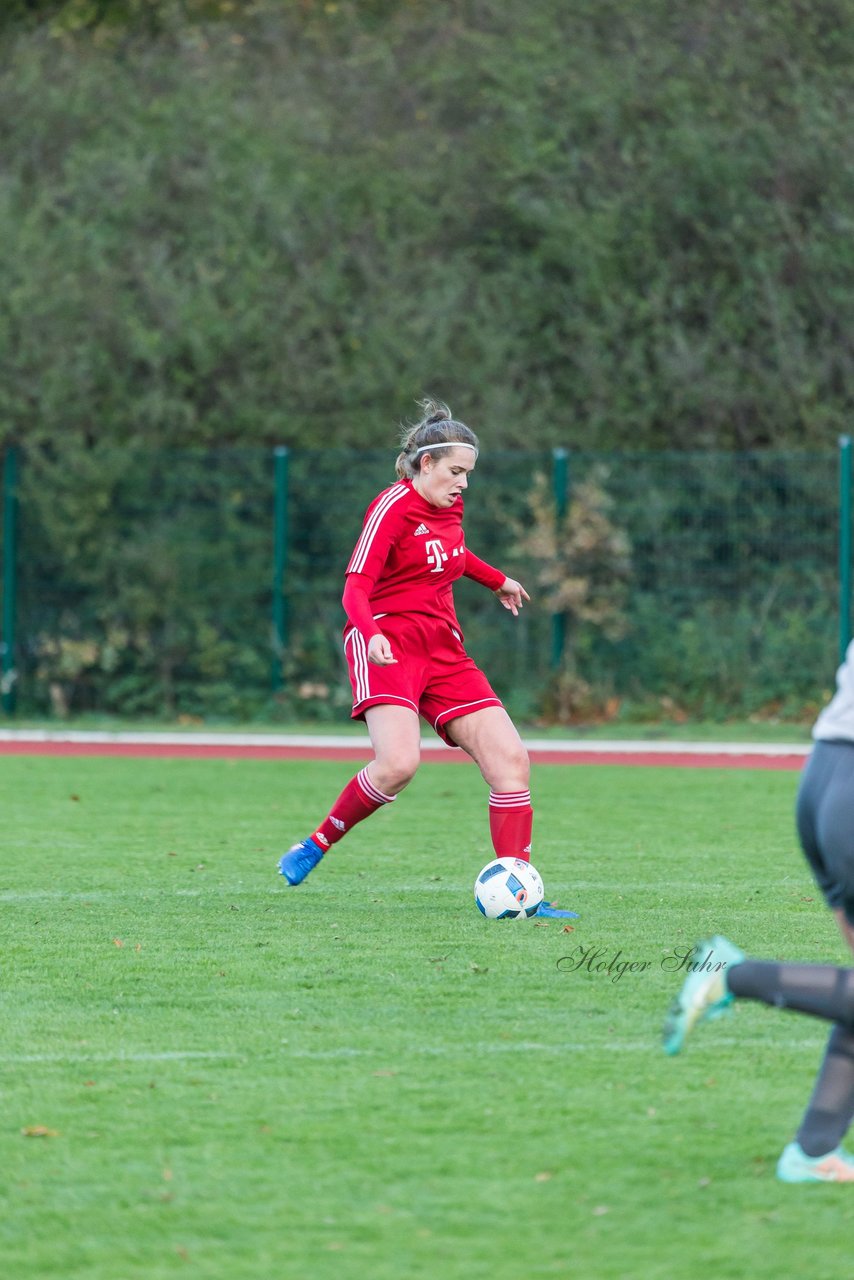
[407,558]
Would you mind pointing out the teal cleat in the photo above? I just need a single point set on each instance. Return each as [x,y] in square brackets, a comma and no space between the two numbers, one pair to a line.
[795,1166]
[298,861]
[704,993]
[552,912]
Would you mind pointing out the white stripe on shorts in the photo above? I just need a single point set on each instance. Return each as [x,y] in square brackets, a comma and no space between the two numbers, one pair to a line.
[360,663]
[463,709]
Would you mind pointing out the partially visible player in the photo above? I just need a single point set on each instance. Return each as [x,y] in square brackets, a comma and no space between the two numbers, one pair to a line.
[405,650]
[825,822]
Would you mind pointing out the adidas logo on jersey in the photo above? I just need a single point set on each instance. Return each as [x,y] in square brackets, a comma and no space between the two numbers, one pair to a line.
[422,528]
[336,822]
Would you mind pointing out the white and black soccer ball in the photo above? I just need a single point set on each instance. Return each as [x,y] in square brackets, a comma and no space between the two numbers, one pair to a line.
[508,889]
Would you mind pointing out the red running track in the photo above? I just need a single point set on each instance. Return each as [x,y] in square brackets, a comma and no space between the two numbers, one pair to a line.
[694,759]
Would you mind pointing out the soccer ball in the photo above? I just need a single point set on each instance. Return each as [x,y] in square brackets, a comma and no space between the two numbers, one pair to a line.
[508,889]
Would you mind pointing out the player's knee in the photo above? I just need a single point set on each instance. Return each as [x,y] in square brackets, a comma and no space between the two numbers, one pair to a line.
[396,773]
[509,770]
[520,764]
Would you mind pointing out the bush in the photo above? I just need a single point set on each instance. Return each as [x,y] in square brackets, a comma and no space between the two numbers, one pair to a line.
[605,226]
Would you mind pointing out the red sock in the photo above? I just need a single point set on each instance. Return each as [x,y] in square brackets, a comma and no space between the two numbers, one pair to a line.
[359,799]
[510,821]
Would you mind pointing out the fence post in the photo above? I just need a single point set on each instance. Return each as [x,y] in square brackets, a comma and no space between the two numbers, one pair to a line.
[281,457]
[8,674]
[560,490]
[844,544]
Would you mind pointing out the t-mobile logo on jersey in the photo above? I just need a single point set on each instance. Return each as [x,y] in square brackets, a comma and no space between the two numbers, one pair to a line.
[436,555]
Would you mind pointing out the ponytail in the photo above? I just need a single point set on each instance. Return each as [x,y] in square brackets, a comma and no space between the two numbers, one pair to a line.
[437,428]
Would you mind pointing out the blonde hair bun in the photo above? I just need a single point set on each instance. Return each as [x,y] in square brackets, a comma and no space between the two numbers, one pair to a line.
[437,427]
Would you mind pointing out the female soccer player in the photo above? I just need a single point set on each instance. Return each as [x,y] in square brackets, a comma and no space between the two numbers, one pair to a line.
[825,821]
[405,651]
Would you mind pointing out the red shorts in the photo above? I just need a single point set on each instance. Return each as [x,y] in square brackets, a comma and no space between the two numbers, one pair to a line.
[433,674]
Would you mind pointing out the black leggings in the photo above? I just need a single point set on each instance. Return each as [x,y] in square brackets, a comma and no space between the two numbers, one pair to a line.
[825,818]
[824,992]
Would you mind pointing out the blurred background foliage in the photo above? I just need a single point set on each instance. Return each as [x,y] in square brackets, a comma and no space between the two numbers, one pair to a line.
[608,224]
[692,585]
[623,228]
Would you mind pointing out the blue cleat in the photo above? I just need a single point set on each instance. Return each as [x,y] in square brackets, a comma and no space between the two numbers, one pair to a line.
[795,1165]
[704,993]
[554,913]
[298,861]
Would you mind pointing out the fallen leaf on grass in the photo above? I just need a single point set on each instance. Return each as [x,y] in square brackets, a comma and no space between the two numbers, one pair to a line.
[39,1131]
[117,942]
[569,928]
[545,1176]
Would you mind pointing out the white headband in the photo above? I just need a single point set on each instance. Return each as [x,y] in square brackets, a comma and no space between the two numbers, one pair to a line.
[444,444]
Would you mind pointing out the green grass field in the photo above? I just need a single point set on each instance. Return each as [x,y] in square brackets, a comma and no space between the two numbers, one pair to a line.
[363,1078]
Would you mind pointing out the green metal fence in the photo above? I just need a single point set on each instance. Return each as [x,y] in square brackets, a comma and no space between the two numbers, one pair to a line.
[207,583]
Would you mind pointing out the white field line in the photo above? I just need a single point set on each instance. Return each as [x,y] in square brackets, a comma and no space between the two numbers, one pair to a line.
[149,895]
[652,1045]
[120,895]
[570,747]
[481,1048]
[157,895]
[176,1055]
